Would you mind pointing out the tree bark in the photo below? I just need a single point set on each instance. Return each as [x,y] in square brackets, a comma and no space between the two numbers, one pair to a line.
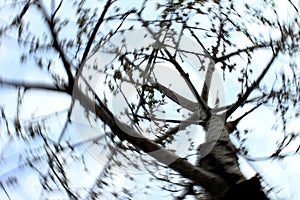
[211,182]
[218,155]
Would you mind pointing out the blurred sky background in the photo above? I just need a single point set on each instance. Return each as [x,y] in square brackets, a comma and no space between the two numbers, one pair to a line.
[283,175]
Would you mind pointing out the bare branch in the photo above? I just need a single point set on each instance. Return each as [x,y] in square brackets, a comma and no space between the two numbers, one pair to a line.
[53,159]
[95,30]
[57,46]
[169,120]
[231,126]
[180,100]
[5,191]
[68,120]
[254,85]
[207,82]
[294,6]
[224,108]
[209,72]
[37,86]
[248,112]
[107,37]
[113,152]
[172,131]
[211,182]
[56,10]
[204,110]
[238,52]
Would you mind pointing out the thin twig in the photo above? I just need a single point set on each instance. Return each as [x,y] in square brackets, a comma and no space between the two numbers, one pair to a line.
[238,52]
[254,85]
[95,30]
[27,85]
[67,64]
[6,193]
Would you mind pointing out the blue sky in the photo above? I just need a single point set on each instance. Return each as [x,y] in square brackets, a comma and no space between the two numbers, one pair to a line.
[283,175]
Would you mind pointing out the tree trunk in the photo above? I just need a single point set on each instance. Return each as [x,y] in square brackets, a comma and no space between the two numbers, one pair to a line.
[218,155]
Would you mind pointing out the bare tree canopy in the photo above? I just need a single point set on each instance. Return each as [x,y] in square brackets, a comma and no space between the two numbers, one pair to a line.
[173,99]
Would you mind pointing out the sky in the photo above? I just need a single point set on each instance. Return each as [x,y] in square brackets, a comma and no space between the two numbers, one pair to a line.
[283,175]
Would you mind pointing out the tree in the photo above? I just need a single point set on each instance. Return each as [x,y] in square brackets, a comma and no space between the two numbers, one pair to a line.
[104,68]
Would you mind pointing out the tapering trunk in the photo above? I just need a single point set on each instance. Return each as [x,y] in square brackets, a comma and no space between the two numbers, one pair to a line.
[218,155]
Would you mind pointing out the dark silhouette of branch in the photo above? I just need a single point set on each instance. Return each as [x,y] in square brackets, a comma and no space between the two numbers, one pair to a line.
[294,6]
[204,110]
[5,191]
[67,64]
[150,118]
[207,82]
[68,120]
[174,130]
[109,35]
[146,77]
[23,12]
[224,108]
[53,159]
[238,52]
[113,152]
[170,132]
[255,84]
[265,158]
[180,100]
[231,126]
[37,86]
[56,10]
[213,183]
[95,30]
[209,72]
